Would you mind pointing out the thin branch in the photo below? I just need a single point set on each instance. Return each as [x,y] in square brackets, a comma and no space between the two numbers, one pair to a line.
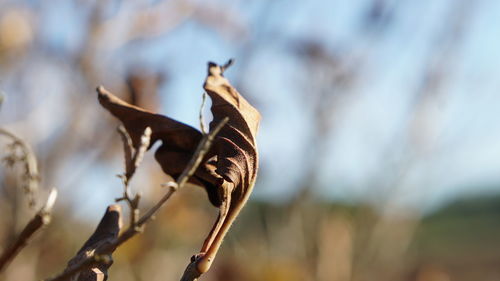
[200,152]
[107,249]
[191,272]
[227,65]
[41,219]
[127,151]
[31,176]
[133,157]
[131,164]
[193,164]
[202,119]
[139,153]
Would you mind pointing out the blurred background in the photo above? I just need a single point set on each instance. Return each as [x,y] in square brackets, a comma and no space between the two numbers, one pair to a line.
[379,142]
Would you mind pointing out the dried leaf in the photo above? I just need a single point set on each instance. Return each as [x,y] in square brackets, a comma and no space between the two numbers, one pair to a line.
[229,169]
[179,141]
[235,144]
[233,157]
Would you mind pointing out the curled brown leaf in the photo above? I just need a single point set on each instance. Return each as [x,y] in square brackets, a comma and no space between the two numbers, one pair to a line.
[229,169]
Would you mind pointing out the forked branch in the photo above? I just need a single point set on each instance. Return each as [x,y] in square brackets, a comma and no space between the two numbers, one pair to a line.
[133,158]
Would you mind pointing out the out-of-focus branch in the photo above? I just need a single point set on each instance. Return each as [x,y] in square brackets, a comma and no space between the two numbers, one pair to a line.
[101,254]
[41,219]
[31,176]
[20,151]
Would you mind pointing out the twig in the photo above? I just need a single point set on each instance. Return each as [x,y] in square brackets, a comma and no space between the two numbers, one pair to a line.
[139,152]
[201,150]
[127,151]
[108,248]
[191,272]
[131,164]
[193,164]
[227,65]
[202,119]
[31,176]
[41,219]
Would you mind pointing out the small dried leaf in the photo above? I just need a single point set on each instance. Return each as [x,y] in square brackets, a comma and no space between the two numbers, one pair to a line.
[228,170]
[233,157]
[236,144]
[179,141]
[135,119]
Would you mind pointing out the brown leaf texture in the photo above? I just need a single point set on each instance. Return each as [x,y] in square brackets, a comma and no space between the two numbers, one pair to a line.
[179,140]
[235,145]
[229,169]
[234,153]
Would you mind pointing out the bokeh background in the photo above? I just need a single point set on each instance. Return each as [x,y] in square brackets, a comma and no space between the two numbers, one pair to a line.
[379,143]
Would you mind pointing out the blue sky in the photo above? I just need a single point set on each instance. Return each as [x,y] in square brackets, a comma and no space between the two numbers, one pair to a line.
[459,155]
